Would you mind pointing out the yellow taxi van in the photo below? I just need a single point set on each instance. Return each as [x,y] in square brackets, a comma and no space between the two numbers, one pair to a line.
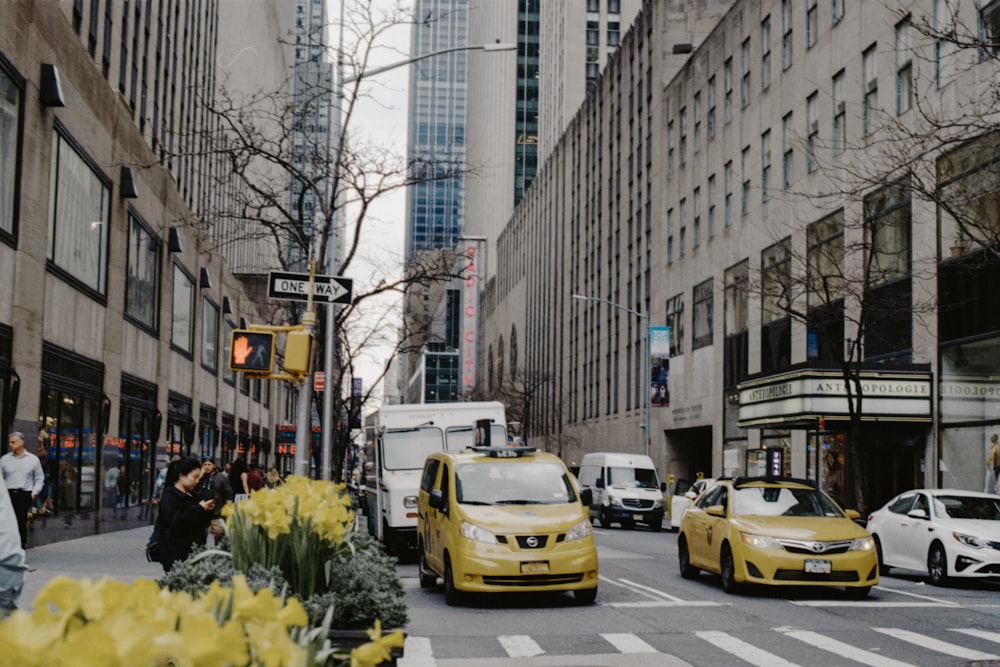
[492,519]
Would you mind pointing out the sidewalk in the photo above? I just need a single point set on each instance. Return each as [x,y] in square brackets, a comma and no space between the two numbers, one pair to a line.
[119,554]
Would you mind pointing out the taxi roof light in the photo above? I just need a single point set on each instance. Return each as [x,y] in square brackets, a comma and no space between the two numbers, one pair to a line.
[504,452]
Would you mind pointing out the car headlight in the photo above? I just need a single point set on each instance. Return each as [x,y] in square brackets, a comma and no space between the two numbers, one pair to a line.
[863,544]
[471,531]
[971,541]
[580,530]
[658,504]
[759,541]
[614,500]
[409,501]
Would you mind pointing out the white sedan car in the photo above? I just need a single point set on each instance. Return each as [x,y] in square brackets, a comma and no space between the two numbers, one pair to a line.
[941,532]
[684,494]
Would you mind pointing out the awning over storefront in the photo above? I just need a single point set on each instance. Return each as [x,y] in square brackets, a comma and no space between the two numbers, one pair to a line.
[802,396]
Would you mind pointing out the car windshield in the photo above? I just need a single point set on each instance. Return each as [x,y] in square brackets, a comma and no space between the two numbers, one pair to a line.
[513,483]
[458,438]
[637,478]
[968,507]
[406,449]
[783,501]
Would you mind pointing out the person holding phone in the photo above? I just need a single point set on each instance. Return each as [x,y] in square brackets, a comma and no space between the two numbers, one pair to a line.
[183,519]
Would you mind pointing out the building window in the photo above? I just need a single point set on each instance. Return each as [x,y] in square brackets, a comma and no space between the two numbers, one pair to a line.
[869,85]
[736,307]
[825,287]
[945,42]
[765,165]
[696,132]
[675,320]
[727,197]
[182,312]
[837,11]
[614,7]
[670,236]
[682,137]
[776,330]
[745,74]
[765,53]
[710,197]
[710,116]
[228,375]
[812,132]
[727,94]
[614,32]
[787,148]
[670,149]
[80,205]
[989,30]
[142,278]
[701,305]
[10,122]
[695,219]
[745,176]
[889,301]
[682,231]
[904,67]
[839,114]
[210,335]
[812,23]
[786,34]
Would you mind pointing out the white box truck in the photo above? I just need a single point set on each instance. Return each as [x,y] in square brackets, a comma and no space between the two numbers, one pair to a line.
[397,440]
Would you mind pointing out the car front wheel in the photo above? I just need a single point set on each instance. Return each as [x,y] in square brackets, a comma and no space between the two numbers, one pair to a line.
[427,576]
[728,570]
[937,565]
[883,569]
[452,596]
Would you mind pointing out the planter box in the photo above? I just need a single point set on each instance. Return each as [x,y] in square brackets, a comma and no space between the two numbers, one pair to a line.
[345,640]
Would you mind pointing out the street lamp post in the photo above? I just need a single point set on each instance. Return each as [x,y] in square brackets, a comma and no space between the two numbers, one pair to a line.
[326,435]
[647,380]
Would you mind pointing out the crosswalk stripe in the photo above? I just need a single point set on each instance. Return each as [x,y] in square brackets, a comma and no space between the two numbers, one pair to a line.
[626,642]
[743,650]
[417,652]
[936,644]
[520,646]
[981,634]
[842,649]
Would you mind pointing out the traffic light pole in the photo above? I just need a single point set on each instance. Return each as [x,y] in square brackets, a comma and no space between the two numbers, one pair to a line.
[303,430]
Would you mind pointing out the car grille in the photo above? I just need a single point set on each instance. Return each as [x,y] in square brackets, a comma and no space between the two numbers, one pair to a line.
[799,575]
[534,579]
[637,503]
[815,547]
[532,541]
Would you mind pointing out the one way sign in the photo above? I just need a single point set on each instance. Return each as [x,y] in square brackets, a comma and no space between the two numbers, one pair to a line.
[295,286]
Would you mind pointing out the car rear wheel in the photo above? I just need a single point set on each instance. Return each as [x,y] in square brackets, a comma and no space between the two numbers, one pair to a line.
[883,569]
[427,576]
[688,571]
[585,595]
[937,565]
[728,570]
[452,596]
[604,519]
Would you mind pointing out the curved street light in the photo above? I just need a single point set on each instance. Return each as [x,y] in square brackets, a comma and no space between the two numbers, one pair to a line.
[647,380]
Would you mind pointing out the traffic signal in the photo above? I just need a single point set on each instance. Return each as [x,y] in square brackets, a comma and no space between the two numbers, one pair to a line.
[298,352]
[251,351]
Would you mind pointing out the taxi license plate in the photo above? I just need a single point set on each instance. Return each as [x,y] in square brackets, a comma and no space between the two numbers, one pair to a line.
[818,566]
[535,567]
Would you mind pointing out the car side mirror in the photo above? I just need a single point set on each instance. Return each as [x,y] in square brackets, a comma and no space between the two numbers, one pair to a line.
[716,510]
[853,515]
[436,499]
[917,514]
[587,497]
[599,483]
[663,487]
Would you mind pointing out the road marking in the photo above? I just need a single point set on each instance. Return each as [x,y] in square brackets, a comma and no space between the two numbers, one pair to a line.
[520,646]
[981,634]
[897,591]
[936,644]
[627,642]
[650,590]
[868,603]
[842,649]
[417,652]
[743,650]
[657,598]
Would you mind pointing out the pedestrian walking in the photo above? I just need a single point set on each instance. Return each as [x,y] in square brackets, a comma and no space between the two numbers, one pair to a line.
[22,473]
[111,481]
[993,465]
[183,519]
[12,564]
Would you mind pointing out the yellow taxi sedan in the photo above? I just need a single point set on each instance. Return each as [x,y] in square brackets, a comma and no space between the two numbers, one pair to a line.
[776,531]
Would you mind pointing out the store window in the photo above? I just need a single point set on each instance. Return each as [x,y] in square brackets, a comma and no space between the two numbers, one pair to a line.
[80,212]
[180,425]
[736,316]
[208,434]
[11,100]
[182,312]
[135,447]
[142,277]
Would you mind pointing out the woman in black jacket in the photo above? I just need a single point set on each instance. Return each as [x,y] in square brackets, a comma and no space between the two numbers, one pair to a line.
[183,518]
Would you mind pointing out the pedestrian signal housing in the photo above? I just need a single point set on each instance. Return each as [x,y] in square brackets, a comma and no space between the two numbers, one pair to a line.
[251,351]
[298,352]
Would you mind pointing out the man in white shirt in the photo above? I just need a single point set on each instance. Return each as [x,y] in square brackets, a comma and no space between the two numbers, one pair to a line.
[22,473]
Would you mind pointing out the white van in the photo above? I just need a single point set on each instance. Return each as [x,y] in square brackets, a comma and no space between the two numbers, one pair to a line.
[626,489]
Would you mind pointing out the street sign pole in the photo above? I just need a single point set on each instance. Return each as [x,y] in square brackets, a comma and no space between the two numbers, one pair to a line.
[303,431]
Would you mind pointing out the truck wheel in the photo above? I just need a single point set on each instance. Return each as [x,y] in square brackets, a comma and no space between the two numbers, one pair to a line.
[604,519]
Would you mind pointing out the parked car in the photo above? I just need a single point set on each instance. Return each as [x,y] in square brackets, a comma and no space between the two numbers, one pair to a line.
[942,533]
[776,531]
[685,493]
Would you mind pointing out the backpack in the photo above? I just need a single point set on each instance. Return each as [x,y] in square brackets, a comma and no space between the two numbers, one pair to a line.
[153,545]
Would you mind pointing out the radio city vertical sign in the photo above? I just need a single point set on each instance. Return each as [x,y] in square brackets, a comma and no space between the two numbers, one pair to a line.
[470,318]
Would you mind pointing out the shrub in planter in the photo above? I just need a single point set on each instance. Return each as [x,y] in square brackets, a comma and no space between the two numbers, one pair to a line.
[197,572]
